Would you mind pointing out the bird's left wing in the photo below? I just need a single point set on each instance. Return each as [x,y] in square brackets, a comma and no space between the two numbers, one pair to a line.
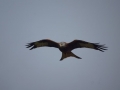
[83,44]
[42,43]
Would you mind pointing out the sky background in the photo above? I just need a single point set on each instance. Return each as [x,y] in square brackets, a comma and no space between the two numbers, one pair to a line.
[24,21]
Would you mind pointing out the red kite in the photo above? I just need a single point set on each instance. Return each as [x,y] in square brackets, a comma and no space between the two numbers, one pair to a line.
[66,48]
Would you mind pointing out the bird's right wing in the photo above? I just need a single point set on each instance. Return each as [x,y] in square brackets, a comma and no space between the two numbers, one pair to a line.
[83,44]
[42,43]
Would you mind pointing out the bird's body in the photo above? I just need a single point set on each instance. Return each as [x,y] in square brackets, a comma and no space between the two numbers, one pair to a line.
[66,48]
[63,46]
[66,52]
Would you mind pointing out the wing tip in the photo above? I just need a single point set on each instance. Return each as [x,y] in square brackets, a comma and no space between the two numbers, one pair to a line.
[30,45]
[100,47]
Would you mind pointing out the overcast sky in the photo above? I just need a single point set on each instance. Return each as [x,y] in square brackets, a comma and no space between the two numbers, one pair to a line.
[24,21]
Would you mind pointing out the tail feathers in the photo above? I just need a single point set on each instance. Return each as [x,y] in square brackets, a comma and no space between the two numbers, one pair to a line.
[68,54]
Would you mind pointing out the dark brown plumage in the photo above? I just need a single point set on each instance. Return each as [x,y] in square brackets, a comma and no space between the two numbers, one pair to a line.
[66,48]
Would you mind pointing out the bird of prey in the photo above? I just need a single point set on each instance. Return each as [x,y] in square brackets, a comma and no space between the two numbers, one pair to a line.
[66,48]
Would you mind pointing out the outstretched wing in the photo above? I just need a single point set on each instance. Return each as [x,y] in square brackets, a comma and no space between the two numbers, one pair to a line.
[42,43]
[83,44]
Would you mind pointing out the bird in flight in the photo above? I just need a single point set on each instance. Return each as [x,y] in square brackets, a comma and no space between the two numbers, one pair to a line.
[66,48]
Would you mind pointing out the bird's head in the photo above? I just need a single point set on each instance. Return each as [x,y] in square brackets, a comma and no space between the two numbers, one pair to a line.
[62,44]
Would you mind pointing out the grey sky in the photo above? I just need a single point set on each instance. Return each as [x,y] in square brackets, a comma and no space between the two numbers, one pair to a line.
[24,21]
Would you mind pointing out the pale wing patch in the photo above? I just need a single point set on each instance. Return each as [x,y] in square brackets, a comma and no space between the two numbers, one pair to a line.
[88,45]
[40,44]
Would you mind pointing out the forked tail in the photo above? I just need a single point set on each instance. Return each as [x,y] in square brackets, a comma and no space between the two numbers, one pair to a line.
[68,54]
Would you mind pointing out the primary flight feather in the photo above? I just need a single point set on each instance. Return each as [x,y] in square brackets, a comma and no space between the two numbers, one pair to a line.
[66,48]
